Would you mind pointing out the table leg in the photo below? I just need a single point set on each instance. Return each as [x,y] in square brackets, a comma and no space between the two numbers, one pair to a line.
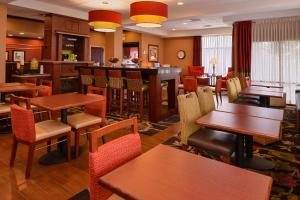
[239,152]
[255,162]
[264,101]
[59,155]
[2,97]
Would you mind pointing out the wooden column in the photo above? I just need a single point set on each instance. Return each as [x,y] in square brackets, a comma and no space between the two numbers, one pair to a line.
[3,22]
[114,46]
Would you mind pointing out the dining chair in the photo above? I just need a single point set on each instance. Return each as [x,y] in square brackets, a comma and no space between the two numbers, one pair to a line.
[45,88]
[190,84]
[111,155]
[218,90]
[137,92]
[26,131]
[231,91]
[84,122]
[191,134]
[206,100]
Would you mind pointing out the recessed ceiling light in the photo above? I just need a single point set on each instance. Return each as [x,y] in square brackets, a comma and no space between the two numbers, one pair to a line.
[180,3]
[39,37]
[10,35]
[173,29]
[105,2]
[21,33]
[184,23]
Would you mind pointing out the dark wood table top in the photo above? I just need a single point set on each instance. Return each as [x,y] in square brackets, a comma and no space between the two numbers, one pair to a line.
[267,89]
[241,124]
[168,173]
[255,111]
[17,87]
[255,92]
[64,101]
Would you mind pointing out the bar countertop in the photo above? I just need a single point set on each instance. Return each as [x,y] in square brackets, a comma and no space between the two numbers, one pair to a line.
[146,70]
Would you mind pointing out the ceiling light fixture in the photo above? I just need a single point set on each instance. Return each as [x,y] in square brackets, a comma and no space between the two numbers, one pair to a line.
[21,33]
[180,3]
[105,2]
[105,20]
[149,14]
[184,23]
[10,35]
[173,29]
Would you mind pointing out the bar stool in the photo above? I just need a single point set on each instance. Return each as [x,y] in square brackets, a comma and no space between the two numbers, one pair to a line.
[116,90]
[100,81]
[136,91]
[86,79]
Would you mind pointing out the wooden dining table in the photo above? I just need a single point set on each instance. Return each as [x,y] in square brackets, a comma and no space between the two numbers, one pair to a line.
[61,102]
[267,89]
[168,173]
[267,113]
[268,85]
[15,87]
[263,95]
[245,127]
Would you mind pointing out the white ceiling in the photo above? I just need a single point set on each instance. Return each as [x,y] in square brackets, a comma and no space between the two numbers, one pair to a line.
[194,15]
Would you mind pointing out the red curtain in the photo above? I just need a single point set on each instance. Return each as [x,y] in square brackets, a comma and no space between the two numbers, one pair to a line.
[197,51]
[241,47]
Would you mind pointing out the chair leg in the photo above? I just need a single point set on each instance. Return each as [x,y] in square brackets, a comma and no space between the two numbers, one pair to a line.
[128,101]
[103,139]
[221,96]
[68,150]
[48,146]
[141,105]
[13,152]
[77,136]
[217,98]
[121,100]
[29,160]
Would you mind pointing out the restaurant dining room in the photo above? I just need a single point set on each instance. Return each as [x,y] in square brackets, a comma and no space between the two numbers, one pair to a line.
[150,100]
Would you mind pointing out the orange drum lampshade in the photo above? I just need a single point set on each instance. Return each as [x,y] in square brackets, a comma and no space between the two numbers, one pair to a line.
[148,13]
[105,20]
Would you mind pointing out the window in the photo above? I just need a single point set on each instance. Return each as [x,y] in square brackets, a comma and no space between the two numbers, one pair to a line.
[276,53]
[219,47]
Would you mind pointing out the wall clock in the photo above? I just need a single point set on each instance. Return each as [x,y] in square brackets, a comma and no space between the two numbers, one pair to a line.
[181,54]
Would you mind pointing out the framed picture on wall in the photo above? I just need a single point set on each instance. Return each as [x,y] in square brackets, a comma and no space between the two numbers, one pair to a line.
[6,55]
[152,53]
[18,55]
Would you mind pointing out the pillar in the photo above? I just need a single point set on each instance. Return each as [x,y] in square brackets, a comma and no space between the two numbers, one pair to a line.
[3,21]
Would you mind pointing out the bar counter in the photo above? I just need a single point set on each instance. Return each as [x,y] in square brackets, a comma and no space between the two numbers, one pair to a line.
[155,76]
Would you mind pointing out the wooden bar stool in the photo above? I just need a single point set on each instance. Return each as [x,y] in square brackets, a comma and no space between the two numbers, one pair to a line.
[101,80]
[86,79]
[116,90]
[136,91]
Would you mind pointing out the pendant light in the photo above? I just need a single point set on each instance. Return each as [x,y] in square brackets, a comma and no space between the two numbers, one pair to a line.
[105,20]
[148,13]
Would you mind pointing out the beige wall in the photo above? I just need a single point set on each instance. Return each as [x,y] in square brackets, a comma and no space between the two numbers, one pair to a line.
[147,39]
[172,46]
[97,39]
[3,22]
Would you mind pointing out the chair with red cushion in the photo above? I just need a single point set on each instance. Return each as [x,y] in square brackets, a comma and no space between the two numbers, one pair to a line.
[45,88]
[196,70]
[27,132]
[218,90]
[111,155]
[92,118]
[190,84]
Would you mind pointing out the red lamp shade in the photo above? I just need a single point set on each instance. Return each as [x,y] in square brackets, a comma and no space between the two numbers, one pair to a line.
[148,13]
[105,20]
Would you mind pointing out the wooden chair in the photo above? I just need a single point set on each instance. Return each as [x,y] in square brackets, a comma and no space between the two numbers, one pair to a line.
[27,132]
[86,79]
[92,118]
[113,154]
[31,93]
[116,90]
[136,91]
[206,100]
[217,142]
[101,80]
[218,90]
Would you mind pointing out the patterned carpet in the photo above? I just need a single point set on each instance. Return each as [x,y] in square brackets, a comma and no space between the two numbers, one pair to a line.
[285,154]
